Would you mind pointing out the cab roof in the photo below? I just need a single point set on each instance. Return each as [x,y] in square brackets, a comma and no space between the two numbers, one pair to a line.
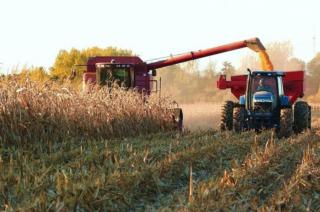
[268,73]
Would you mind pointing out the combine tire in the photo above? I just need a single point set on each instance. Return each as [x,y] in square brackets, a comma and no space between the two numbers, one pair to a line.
[309,118]
[177,117]
[286,123]
[180,122]
[226,122]
[239,119]
[301,116]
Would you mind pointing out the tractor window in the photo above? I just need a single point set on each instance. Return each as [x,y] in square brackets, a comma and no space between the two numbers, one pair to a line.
[264,83]
[281,91]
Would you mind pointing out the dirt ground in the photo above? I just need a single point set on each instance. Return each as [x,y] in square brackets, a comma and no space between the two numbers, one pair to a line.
[204,116]
[201,115]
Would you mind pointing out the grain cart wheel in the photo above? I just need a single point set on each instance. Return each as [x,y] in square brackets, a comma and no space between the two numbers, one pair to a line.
[301,116]
[239,119]
[286,123]
[226,122]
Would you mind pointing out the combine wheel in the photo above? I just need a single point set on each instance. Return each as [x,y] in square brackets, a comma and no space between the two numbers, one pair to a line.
[286,123]
[239,119]
[177,117]
[302,116]
[309,118]
[226,122]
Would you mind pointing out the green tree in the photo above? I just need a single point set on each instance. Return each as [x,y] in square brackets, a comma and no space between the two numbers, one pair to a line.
[66,60]
[33,73]
[228,69]
[38,74]
[210,70]
[191,67]
[313,76]
[280,54]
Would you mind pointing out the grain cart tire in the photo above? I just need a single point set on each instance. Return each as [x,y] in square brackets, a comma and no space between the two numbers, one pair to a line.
[226,121]
[239,119]
[286,123]
[301,116]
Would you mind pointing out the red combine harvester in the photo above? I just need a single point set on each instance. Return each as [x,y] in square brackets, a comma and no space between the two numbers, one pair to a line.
[267,99]
[132,72]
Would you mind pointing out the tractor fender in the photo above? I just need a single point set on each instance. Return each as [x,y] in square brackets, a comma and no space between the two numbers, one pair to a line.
[242,100]
[284,101]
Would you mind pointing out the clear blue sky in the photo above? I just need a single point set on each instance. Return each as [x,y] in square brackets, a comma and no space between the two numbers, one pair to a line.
[33,31]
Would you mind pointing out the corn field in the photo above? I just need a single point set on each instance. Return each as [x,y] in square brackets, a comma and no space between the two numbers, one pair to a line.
[34,112]
[113,150]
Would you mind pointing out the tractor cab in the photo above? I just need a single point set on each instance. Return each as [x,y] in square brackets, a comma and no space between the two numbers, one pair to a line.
[264,98]
[264,92]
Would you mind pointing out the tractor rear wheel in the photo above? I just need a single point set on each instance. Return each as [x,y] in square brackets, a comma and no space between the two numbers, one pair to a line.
[286,123]
[301,116]
[239,119]
[226,122]
[309,118]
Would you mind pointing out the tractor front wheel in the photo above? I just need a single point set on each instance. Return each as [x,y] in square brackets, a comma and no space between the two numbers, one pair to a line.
[301,116]
[226,122]
[239,119]
[286,123]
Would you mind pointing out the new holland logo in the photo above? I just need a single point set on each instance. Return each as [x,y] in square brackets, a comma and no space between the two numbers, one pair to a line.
[262,99]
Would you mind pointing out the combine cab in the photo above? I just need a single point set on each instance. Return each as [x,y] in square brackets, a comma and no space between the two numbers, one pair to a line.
[267,99]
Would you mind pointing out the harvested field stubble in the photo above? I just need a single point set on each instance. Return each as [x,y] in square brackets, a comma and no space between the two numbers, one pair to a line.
[261,182]
[31,112]
[152,172]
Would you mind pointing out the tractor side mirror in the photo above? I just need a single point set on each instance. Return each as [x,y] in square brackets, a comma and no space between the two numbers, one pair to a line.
[154,72]
[248,69]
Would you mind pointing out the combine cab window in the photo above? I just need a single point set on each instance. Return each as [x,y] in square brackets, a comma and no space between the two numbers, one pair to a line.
[122,75]
[109,75]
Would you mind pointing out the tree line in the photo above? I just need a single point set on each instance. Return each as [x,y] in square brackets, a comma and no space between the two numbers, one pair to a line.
[65,62]
[186,82]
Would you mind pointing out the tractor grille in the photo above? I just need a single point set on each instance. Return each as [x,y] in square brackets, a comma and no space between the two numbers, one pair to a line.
[263,107]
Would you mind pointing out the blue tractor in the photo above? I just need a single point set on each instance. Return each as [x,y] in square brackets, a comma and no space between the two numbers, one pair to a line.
[267,100]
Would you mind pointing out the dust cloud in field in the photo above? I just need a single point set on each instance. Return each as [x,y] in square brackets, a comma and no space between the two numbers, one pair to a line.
[315,119]
[205,115]
[201,115]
